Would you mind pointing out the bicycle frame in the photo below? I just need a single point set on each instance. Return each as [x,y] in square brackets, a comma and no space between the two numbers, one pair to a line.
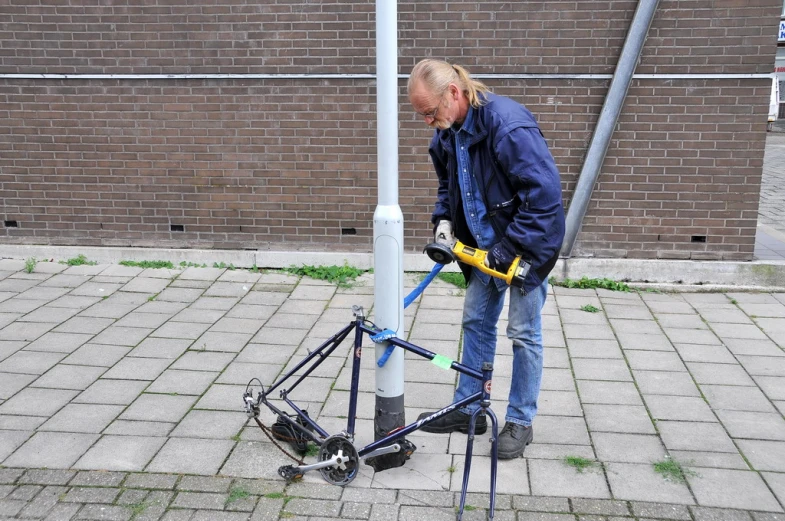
[382,445]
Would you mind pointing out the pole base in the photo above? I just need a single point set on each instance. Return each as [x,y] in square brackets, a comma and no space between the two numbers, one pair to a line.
[394,460]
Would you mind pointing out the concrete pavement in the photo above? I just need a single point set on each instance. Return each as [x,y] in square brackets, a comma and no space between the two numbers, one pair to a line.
[770,239]
[120,398]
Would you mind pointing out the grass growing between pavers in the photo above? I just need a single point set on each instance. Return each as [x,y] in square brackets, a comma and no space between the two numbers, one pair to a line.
[184,264]
[579,464]
[587,283]
[454,278]
[343,276]
[280,495]
[672,470]
[137,509]
[589,308]
[312,449]
[30,264]
[79,260]
[154,264]
[236,494]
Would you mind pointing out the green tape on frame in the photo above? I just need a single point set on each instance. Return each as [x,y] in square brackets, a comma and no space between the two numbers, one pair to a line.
[442,361]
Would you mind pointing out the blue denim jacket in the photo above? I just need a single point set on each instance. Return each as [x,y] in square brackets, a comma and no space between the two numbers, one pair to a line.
[518,179]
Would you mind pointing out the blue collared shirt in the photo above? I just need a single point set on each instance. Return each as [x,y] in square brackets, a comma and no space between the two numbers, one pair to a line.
[473,205]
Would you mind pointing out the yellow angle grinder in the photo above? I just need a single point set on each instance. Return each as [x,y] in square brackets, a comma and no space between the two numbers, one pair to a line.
[443,254]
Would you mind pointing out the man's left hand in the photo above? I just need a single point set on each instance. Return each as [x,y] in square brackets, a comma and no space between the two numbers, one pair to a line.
[500,256]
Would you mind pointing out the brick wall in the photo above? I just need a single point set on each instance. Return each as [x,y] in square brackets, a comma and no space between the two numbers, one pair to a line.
[271,163]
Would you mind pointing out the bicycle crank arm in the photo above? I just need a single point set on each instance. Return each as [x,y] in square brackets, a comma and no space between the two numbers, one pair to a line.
[332,462]
[389,449]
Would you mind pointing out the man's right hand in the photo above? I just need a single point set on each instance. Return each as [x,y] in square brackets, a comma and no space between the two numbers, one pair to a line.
[443,234]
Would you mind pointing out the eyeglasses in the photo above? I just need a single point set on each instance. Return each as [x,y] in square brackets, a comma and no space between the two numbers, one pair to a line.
[432,114]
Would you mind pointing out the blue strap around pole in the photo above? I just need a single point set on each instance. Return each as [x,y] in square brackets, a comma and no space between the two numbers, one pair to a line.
[416,292]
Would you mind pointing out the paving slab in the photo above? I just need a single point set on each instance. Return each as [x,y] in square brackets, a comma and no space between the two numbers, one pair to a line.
[33,401]
[120,453]
[64,376]
[631,419]
[720,374]
[590,348]
[681,408]
[11,383]
[644,341]
[640,482]
[776,482]
[764,455]
[701,353]
[670,383]
[100,355]
[76,417]
[695,436]
[154,347]
[26,331]
[615,393]
[191,456]
[724,488]
[556,478]
[601,369]
[736,398]
[11,440]
[121,336]
[138,368]
[158,408]
[753,425]
[183,382]
[53,450]
[221,425]
[720,460]
[628,448]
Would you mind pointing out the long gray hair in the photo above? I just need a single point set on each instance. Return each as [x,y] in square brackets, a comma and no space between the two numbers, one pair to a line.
[437,76]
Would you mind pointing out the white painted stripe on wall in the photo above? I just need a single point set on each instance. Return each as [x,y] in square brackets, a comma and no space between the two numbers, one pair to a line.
[47,76]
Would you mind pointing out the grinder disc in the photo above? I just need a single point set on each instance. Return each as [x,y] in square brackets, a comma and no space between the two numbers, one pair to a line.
[439,253]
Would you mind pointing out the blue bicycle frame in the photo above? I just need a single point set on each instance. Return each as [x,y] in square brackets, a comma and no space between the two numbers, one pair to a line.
[311,430]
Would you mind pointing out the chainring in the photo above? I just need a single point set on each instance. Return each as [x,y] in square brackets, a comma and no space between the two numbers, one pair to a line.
[345,471]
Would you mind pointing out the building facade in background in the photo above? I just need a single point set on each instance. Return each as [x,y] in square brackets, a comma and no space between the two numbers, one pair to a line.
[779,64]
[283,154]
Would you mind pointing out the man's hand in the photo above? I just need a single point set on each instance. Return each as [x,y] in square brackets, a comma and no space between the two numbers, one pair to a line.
[500,256]
[443,234]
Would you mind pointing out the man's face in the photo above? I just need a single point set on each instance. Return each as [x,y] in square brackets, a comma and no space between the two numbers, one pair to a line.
[436,108]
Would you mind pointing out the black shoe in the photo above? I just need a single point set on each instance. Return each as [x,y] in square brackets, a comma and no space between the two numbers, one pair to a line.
[513,440]
[454,421]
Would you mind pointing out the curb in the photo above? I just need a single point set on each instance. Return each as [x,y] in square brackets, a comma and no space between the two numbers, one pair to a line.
[675,274]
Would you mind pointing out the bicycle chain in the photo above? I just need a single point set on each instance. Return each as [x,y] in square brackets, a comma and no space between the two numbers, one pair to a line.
[269,433]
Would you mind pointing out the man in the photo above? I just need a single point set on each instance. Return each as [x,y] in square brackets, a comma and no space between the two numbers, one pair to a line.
[499,190]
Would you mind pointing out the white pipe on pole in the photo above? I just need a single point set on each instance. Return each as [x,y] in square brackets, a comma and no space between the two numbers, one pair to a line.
[388,225]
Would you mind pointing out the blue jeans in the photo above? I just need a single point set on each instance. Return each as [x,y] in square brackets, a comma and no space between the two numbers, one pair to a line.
[481,310]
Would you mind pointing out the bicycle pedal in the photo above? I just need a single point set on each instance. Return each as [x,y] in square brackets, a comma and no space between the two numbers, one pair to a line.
[290,473]
[408,448]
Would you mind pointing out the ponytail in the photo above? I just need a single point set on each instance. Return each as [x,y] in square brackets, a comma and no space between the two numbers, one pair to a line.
[471,88]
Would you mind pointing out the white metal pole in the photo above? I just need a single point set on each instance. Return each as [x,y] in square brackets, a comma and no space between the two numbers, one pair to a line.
[388,223]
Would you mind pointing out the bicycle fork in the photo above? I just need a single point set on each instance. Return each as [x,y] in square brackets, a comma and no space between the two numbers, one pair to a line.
[485,404]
